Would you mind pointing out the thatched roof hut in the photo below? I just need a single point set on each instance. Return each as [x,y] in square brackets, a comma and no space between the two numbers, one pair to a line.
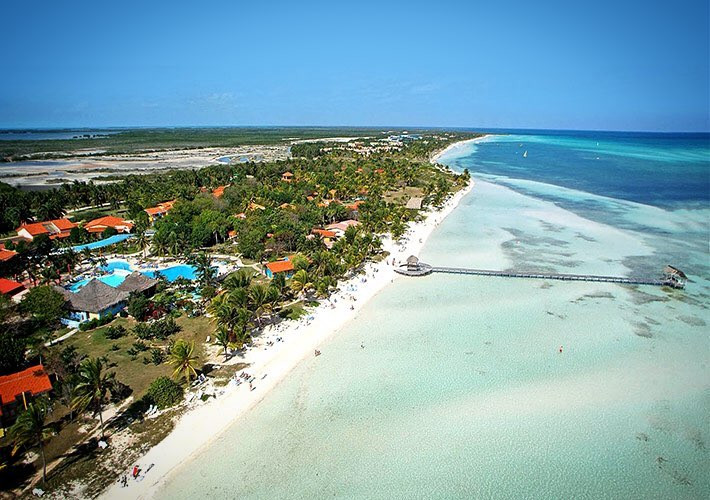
[94,297]
[137,282]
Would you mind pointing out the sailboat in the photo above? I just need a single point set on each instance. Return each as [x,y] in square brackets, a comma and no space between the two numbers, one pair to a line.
[525,154]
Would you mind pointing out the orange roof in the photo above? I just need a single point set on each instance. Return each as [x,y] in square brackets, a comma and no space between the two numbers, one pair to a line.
[324,233]
[6,255]
[355,205]
[161,208]
[232,233]
[287,174]
[280,266]
[155,210]
[63,224]
[102,223]
[9,287]
[33,380]
[218,192]
[241,215]
[34,229]
[379,171]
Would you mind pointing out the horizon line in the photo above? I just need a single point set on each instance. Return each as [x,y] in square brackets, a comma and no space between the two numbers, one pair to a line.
[341,127]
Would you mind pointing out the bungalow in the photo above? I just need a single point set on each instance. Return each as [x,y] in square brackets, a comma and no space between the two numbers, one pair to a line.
[218,192]
[287,177]
[255,206]
[10,288]
[18,389]
[6,254]
[138,282]
[94,300]
[339,228]
[57,228]
[101,224]
[328,237]
[280,266]
[160,210]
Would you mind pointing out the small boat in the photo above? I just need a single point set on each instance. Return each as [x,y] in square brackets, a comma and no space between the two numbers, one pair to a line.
[525,154]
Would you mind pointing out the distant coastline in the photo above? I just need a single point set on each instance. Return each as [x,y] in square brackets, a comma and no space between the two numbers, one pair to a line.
[456,145]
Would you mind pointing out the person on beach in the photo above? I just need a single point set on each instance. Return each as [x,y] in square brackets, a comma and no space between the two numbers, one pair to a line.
[136,471]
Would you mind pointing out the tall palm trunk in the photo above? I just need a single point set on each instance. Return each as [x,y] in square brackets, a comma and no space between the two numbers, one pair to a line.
[101,421]
[44,462]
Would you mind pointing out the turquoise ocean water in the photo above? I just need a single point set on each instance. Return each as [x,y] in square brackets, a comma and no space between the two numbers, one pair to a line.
[461,390]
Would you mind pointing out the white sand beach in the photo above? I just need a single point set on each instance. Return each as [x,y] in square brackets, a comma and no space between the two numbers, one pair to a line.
[457,145]
[200,426]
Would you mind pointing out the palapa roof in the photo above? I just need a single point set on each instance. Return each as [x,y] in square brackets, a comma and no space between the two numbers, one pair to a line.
[412,259]
[94,297]
[137,282]
[674,270]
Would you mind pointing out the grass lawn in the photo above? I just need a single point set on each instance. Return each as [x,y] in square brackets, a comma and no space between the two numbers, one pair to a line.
[130,370]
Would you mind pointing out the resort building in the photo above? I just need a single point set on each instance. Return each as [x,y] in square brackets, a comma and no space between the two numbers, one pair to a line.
[138,282]
[339,228]
[328,237]
[103,223]
[94,300]
[280,266]
[18,389]
[6,254]
[218,192]
[10,288]
[160,210]
[287,177]
[57,228]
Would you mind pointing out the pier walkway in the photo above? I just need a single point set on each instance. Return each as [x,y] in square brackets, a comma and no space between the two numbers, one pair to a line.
[671,276]
[550,276]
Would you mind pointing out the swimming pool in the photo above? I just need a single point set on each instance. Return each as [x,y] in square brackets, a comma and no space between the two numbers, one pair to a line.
[111,240]
[172,273]
[114,279]
[112,265]
[118,270]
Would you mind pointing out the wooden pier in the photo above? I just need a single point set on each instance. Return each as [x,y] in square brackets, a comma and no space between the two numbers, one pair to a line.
[672,277]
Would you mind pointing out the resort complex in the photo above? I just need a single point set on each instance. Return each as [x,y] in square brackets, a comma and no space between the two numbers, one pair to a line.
[126,304]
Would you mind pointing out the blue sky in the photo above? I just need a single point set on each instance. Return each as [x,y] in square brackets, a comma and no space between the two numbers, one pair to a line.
[603,65]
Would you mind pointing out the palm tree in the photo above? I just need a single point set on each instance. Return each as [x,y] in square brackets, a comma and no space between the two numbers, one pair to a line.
[300,282]
[93,387]
[222,339]
[204,270]
[183,360]
[31,428]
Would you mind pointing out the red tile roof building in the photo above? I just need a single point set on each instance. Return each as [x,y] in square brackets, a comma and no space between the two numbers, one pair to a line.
[6,254]
[57,228]
[9,287]
[101,224]
[18,388]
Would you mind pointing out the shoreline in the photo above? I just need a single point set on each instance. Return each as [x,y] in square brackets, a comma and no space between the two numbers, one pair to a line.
[200,426]
[457,145]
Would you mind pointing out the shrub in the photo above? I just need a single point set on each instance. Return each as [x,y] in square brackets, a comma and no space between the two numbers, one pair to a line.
[140,346]
[96,322]
[137,306]
[157,356]
[115,332]
[165,392]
